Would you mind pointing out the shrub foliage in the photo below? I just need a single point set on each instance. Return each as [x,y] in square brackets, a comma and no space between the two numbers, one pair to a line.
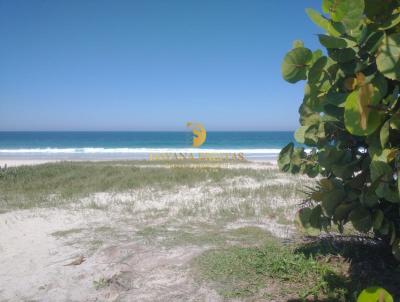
[350,118]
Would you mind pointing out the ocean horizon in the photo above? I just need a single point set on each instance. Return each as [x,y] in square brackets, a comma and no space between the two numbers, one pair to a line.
[137,144]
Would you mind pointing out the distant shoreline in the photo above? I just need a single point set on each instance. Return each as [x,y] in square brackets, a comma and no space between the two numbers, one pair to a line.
[16,162]
[38,156]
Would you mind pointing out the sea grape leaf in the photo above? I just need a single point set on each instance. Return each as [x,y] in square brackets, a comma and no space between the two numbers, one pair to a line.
[388,59]
[336,99]
[392,21]
[380,170]
[357,117]
[389,194]
[304,217]
[384,133]
[342,55]
[374,294]
[383,155]
[297,156]
[298,43]
[299,134]
[332,42]
[360,117]
[315,217]
[285,157]
[361,219]
[342,211]
[378,10]
[373,41]
[331,201]
[384,229]
[295,64]
[303,221]
[311,135]
[333,28]
[348,12]
[350,84]
[370,199]
[350,115]
[317,69]
[395,122]
[382,175]
[316,55]
[377,219]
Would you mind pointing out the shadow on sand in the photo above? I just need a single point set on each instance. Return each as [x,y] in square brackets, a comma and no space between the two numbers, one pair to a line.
[362,262]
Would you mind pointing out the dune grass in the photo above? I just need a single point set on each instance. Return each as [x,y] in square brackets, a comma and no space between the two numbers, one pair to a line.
[53,184]
[241,261]
[279,272]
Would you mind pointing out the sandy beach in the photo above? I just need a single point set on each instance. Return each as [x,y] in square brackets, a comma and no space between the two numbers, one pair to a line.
[15,162]
[25,162]
[165,231]
[135,243]
[200,151]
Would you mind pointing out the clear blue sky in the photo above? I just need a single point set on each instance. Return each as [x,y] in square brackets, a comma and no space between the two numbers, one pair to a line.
[149,65]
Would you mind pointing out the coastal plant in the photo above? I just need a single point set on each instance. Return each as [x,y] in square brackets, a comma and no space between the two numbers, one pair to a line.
[350,119]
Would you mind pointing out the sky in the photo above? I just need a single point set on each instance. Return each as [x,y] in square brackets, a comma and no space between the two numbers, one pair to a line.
[150,65]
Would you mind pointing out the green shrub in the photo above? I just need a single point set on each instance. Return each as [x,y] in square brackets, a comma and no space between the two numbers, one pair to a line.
[350,118]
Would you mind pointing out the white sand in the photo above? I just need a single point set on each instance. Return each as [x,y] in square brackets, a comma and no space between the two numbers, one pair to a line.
[33,264]
[120,265]
[24,162]
[14,162]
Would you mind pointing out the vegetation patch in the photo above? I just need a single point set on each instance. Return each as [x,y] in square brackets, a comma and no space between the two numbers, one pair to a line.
[58,184]
[324,269]
[244,271]
[203,235]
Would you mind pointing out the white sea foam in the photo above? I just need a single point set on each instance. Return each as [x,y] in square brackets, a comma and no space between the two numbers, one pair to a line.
[134,151]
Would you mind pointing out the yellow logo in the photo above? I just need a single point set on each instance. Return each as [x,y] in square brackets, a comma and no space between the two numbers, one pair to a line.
[199,134]
[199,137]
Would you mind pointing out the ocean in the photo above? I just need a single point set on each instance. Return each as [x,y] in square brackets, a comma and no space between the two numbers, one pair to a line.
[137,145]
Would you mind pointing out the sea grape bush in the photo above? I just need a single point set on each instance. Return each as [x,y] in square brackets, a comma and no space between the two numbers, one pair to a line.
[350,118]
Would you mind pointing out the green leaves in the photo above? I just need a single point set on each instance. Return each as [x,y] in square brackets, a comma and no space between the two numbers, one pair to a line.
[299,134]
[317,69]
[391,22]
[302,220]
[388,59]
[377,219]
[357,117]
[333,28]
[295,64]
[350,117]
[380,170]
[374,294]
[373,41]
[382,174]
[331,200]
[360,115]
[334,42]
[384,134]
[342,55]
[350,13]
[285,157]
[336,99]
[361,219]
[298,43]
